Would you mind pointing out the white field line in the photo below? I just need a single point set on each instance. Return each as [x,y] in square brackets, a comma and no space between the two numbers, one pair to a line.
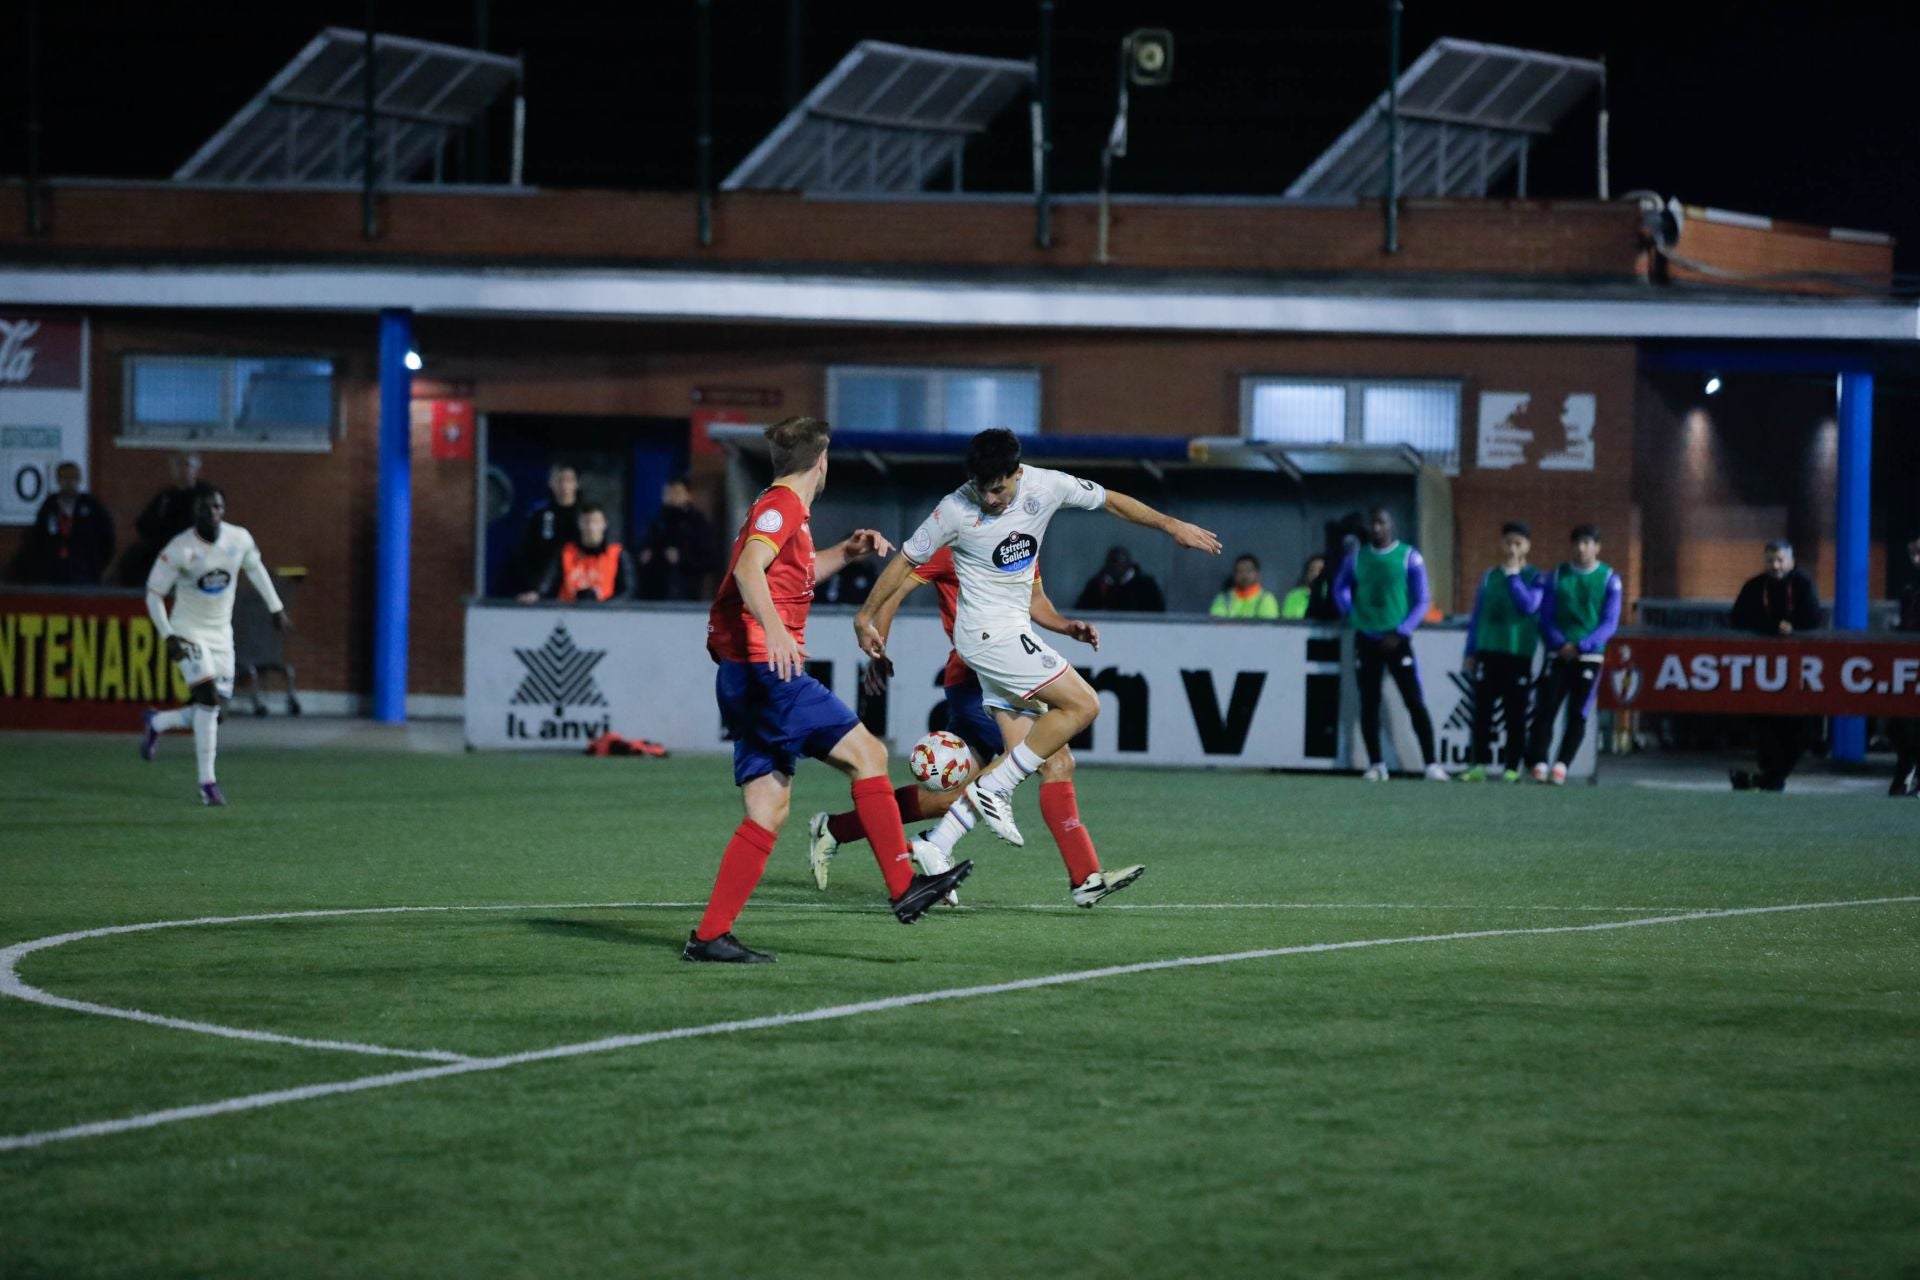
[12,984]
[304,1093]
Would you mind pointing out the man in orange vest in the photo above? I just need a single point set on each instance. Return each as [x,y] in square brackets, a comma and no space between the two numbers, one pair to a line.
[589,568]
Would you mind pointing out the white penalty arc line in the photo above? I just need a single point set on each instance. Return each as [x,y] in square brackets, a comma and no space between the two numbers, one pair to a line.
[305,1093]
[12,984]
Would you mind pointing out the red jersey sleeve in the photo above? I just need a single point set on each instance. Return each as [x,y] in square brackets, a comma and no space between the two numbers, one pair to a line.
[778,518]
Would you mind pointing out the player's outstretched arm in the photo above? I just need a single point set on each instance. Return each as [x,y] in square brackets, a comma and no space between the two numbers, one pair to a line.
[1051,619]
[750,572]
[1191,536]
[858,545]
[895,580]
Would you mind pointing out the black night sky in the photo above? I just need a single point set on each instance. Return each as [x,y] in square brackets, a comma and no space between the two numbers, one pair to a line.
[1797,110]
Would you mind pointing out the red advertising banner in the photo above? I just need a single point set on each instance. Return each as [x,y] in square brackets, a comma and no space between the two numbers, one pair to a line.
[1726,673]
[80,660]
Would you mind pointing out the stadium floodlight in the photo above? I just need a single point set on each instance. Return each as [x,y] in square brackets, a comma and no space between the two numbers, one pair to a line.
[413,361]
[1713,385]
[1146,59]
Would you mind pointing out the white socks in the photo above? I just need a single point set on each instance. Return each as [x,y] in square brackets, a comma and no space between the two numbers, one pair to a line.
[206,727]
[954,823]
[169,720]
[1011,772]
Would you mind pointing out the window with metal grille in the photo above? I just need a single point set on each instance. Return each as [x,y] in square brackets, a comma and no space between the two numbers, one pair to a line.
[279,402]
[960,401]
[1356,411]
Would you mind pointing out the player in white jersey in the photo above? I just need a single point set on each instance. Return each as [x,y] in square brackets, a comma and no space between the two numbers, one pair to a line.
[201,570]
[995,524]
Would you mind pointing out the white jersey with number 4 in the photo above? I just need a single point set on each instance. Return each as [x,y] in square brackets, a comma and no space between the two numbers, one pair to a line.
[202,577]
[995,556]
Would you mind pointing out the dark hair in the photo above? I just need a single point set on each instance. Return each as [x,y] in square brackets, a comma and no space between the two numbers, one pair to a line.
[203,489]
[1248,556]
[797,444]
[66,464]
[591,508]
[1780,544]
[1581,531]
[1516,526]
[993,455]
[679,479]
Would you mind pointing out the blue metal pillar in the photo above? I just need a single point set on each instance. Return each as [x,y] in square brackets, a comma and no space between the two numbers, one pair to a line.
[1852,536]
[393,540]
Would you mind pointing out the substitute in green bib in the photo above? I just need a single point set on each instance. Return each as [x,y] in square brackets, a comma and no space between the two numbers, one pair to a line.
[1382,590]
[1244,596]
[1579,610]
[1501,640]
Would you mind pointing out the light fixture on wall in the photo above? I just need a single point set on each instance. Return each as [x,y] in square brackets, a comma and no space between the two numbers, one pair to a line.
[1713,385]
[413,362]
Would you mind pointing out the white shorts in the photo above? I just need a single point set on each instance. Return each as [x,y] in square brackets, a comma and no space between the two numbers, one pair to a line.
[206,661]
[1013,665]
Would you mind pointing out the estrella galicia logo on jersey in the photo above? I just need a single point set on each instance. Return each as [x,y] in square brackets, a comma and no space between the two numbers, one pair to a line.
[214,581]
[560,675]
[1015,552]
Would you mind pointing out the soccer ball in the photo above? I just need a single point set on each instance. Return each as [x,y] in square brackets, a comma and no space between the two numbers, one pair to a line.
[941,761]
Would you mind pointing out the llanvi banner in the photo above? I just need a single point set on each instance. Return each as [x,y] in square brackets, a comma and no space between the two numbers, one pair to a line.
[81,660]
[1725,673]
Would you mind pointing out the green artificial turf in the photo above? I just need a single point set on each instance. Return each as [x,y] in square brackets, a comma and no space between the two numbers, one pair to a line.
[1733,1096]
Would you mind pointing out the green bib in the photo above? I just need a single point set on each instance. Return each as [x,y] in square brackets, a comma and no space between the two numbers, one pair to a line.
[1380,600]
[1501,628]
[1578,599]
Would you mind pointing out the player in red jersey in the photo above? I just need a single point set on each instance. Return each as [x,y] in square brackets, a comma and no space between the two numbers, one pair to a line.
[967,716]
[775,712]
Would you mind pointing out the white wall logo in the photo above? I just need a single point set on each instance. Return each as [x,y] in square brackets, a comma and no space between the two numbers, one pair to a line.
[769,521]
[1517,427]
[559,675]
[16,357]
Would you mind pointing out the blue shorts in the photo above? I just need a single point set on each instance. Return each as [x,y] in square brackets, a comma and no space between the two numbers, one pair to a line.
[967,715]
[773,722]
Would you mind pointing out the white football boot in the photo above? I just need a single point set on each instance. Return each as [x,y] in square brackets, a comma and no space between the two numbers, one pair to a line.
[1104,883]
[1540,773]
[997,810]
[1438,773]
[821,846]
[1374,773]
[1559,775]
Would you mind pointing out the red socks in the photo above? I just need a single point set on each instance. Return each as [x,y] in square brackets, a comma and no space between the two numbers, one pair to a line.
[878,809]
[846,827]
[740,870]
[1062,813]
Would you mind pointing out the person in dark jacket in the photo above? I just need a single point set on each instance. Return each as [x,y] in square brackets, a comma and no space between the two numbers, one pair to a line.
[71,542]
[168,515]
[550,526]
[1780,602]
[679,551]
[1120,586]
[1906,733]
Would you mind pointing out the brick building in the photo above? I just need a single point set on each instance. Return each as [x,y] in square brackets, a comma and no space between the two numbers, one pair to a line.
[1573,355]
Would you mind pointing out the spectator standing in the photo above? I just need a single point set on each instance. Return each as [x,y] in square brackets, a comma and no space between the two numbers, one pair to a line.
[1579,609]
[71,542]
[1501,639]
[1121,587]
[165,517]
[588,569]
[1244,596]
[550,526]
[1906,733]
[679,551]
[1779,602]
[1314,585]
[1382,589]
